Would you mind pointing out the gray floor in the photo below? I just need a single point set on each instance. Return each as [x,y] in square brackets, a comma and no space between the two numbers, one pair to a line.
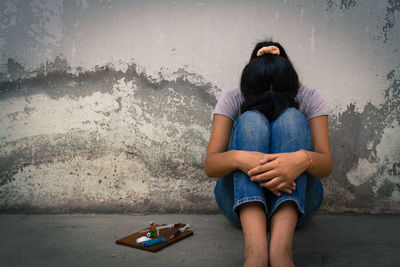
[89,240]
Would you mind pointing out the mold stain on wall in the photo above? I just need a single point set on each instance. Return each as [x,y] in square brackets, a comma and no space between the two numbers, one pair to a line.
[342,4]
[113,140]
[366,151]
[103,139]
[392,7]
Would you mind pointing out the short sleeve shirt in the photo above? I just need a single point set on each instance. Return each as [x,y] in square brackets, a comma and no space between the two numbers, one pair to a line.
[311,103]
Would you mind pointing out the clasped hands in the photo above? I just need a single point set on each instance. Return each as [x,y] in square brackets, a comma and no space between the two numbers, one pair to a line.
[276,172]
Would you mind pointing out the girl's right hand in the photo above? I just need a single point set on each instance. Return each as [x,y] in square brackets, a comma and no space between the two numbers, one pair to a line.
[247,160]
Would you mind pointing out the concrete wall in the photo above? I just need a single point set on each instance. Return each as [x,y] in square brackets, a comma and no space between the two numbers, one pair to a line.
[107,105]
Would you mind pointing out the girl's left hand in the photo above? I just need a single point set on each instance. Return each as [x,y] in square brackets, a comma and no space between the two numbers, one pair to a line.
[277,172]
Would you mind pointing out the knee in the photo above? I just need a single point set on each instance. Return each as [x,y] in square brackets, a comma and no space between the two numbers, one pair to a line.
[292,120]
[293,129]
[293,117]
[252,116]
[253,124]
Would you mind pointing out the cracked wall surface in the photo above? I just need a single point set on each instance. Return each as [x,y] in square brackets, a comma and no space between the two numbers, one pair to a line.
[107,105]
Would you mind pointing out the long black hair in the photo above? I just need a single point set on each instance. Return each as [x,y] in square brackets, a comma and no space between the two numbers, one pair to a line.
[269,83]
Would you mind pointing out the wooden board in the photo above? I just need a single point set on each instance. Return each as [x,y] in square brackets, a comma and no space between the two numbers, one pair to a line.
[130,240]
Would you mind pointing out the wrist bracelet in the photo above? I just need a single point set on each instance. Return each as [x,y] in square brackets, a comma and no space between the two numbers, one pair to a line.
[309,157]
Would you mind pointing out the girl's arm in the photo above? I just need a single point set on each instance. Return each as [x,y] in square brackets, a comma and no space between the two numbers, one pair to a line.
[322,156]
[219,162]
[278,171]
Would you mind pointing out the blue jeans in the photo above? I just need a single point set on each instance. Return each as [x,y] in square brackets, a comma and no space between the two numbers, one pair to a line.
[252,131]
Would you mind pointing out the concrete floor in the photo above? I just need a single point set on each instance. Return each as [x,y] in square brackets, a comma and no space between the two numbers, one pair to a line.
[89,240]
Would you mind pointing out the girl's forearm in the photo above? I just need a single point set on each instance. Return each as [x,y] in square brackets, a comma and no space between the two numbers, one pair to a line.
[220,164]
[322,164]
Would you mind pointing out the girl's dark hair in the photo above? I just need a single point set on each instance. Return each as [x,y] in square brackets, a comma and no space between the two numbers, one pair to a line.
[269,83]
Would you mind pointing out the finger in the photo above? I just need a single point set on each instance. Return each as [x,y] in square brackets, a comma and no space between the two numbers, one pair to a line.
[281,187]
[287,191]
[275,192]
[265,176]
[260,169]
[293,186]
[273,183]
[268,157]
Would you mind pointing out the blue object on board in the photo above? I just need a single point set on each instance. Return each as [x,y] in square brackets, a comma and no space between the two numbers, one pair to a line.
[153,242]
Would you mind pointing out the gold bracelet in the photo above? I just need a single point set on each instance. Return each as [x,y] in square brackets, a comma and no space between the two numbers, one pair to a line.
[309,157]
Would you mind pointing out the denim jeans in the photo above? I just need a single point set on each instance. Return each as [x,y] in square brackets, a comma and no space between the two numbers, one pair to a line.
[253,132]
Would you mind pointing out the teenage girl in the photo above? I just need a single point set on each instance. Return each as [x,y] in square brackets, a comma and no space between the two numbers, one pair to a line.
[270,144]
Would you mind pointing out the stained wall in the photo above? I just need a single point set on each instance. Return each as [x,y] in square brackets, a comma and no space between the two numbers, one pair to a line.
[107,105]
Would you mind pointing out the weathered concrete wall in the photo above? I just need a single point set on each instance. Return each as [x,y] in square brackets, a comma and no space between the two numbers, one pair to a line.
[107,105]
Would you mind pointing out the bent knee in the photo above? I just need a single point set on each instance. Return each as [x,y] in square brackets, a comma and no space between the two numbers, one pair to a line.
[292,116]
[252,125]
[292,122]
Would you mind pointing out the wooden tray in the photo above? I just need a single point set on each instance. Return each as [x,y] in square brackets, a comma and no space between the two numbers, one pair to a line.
[130,240]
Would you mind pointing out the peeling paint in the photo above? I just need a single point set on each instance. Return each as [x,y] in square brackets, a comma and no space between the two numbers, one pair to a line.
[56,117]
[365,148]
[49,26]
[392,8]
[97,113]
[342,4]
[154,127]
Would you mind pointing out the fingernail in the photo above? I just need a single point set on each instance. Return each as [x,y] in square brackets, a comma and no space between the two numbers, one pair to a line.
[290,191]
